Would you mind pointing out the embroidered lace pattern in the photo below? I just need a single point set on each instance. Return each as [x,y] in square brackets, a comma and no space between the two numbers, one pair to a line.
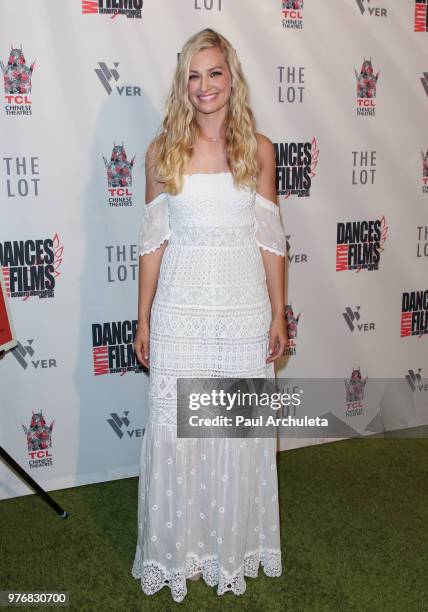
[207,505]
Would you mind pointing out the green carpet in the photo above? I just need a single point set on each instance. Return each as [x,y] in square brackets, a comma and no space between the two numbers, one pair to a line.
[354,521]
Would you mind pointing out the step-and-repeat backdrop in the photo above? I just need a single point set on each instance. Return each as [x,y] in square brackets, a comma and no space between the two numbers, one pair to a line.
[341,89]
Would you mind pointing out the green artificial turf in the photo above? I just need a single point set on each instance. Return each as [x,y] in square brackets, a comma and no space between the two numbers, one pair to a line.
[354,518]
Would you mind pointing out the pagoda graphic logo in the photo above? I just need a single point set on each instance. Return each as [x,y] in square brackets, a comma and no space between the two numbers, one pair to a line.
[119,177]
[17,83]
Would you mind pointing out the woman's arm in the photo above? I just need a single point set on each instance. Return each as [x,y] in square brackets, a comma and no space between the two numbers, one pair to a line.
[148,272]
[274,264]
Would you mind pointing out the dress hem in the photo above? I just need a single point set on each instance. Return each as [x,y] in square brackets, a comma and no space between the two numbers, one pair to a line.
[154,576]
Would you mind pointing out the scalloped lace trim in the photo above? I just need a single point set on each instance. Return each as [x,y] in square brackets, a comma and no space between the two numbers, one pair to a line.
[154,576]
[154,248]
[266,248]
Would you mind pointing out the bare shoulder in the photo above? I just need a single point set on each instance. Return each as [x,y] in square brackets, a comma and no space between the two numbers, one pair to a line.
[153,187]
[266,179]
[265,151]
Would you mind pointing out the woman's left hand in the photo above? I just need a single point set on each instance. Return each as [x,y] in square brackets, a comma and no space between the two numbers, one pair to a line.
[278,338]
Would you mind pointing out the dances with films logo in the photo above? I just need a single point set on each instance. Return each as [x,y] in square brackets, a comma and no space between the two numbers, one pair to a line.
[414,313]
[39,441]
[421,16]
[113,348]
[17,83]
[131,9]
[355,386]
[366,89]
[292,322]
[292,14]
[295,167]
[31,267]
[119,177]
[359,244]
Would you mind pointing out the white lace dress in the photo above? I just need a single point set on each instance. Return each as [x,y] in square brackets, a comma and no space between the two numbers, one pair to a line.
[207,505]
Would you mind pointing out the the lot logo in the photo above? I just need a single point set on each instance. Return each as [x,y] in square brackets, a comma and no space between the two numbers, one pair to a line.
[363,167]
[129,8]
[39,441]
[355,386]
[105,75]
[414,313]
[24,353]
[414,380]
[113,349]
[366,89]
[422,243]
[295,167]
[373,11]
[421,16]
[17,83]
[291,84]
[292,14]
[353,320]
[122,263]
[121,426]
[119,177]
[291,322]
[22,176]
[359,244]
[31,267]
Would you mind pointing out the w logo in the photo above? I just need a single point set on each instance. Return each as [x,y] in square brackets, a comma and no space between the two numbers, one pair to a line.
[413,378]
[105,75]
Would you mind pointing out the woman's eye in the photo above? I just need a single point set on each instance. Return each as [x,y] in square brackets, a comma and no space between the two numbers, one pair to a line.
[216,72]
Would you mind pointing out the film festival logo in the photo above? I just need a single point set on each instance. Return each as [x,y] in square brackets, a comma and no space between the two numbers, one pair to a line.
[39,441]
[24,353]
[295,167]
[291,323]
[353,320]
[366,89]
[294,258]
[355,387]
[424,171]
[421,16]
[414,313]
[31,267]
[360,244]
[119,177]
[373,11]
[120,426]
[17,83]
[131,9]
[113,348]
[292,14]
[106,75]
[414,380]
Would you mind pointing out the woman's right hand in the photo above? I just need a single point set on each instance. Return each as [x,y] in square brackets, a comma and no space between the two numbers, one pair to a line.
[141,343]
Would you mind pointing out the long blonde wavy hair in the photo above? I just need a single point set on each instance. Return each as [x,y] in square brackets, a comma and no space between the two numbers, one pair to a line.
[178,132]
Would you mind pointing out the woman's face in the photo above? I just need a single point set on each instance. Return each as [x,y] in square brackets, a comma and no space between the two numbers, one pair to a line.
[209,80]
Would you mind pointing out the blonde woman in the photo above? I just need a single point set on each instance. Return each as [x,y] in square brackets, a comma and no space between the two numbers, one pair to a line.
[211,304]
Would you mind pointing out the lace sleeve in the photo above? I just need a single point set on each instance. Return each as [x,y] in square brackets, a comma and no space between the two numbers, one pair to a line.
[269,232]
[154,228]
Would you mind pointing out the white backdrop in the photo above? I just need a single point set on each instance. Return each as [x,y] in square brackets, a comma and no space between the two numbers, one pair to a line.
[99,81]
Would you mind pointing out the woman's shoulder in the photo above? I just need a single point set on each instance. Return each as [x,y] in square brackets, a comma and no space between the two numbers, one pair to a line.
[265,150]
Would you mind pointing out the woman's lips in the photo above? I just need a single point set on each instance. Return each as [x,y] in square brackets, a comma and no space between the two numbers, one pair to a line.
[207,98]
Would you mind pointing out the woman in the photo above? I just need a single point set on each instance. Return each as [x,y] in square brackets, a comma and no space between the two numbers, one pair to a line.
[211,304]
